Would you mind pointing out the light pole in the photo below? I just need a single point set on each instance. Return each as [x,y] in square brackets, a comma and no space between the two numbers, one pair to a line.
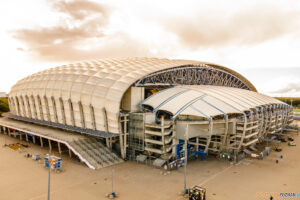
[49,173]
[186,155]
[112,181]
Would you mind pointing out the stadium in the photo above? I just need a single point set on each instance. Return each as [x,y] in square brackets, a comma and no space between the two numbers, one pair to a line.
[108,111]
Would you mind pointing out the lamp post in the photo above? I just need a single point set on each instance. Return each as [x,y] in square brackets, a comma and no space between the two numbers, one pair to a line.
[185,157]
[49,173]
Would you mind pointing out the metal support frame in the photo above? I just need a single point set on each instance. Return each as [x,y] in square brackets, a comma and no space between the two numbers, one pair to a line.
[192,75]
[108,140]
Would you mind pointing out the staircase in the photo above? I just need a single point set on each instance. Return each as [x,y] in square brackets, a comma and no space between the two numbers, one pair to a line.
[94,153]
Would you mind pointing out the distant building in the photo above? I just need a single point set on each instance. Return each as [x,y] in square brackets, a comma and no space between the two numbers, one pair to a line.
[3,94]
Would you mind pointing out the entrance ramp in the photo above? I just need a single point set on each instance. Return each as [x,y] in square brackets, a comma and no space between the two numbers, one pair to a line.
[90,150]
[94,152]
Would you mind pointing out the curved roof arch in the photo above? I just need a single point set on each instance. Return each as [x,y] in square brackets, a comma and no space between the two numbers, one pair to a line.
[208,101]
[101,83]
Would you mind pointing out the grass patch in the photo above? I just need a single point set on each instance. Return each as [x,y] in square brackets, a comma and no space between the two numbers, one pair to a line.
[298,112]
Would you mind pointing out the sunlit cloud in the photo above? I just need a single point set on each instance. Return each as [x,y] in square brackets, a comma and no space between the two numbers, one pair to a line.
[241,36]
[249,26]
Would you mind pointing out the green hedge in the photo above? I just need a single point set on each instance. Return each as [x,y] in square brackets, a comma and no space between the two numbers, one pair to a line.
[4,105]
[296,101]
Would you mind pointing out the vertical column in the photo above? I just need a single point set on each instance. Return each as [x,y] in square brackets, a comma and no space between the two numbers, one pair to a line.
[8,131]
[122,135]
[174,141]
[70,153]
[210,134]
[225,134]
[59,148]
[186,154]
[50,146]
[62,107]
[125,134]
[21,135]
[33,139]
[26,136]
[121,144]
[163,134]
[244,132]
[108,140]
[15,134]
[41,141]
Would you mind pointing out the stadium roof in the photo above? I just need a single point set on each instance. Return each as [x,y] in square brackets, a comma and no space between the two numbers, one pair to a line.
[100,83]
[207,101]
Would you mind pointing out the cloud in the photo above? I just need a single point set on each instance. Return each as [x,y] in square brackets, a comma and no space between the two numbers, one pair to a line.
[79,37]
[113,46]
[289,89]
[245,27]
[79,9]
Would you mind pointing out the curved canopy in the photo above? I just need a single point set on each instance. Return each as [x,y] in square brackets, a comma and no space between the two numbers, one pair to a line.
[99,83]
[207,101]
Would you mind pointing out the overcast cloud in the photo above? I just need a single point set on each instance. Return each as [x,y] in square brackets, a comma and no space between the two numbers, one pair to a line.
[242,35]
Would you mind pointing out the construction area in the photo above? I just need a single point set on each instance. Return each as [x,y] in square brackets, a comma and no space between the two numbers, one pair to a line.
[159,112]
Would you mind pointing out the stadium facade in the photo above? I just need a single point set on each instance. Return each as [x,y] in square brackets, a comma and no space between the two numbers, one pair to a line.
[145,107]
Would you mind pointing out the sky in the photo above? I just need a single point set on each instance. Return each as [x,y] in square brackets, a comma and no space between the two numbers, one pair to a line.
[259,39]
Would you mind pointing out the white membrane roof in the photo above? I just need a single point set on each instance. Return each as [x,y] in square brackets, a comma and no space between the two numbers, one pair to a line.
[207,101]
[100,83]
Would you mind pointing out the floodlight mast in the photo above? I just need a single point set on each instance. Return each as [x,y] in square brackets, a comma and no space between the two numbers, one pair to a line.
[49,173]
[186,155]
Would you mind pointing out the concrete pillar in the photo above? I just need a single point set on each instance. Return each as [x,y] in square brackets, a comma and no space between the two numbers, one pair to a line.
[33,139]
[50,146]
[121,145]
[70,153]
[26,136]
[21,135]
[59,148]
[125,134]
[41,141]
[15,134]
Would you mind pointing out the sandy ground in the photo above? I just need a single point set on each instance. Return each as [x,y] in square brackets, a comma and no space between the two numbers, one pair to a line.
[22,178]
